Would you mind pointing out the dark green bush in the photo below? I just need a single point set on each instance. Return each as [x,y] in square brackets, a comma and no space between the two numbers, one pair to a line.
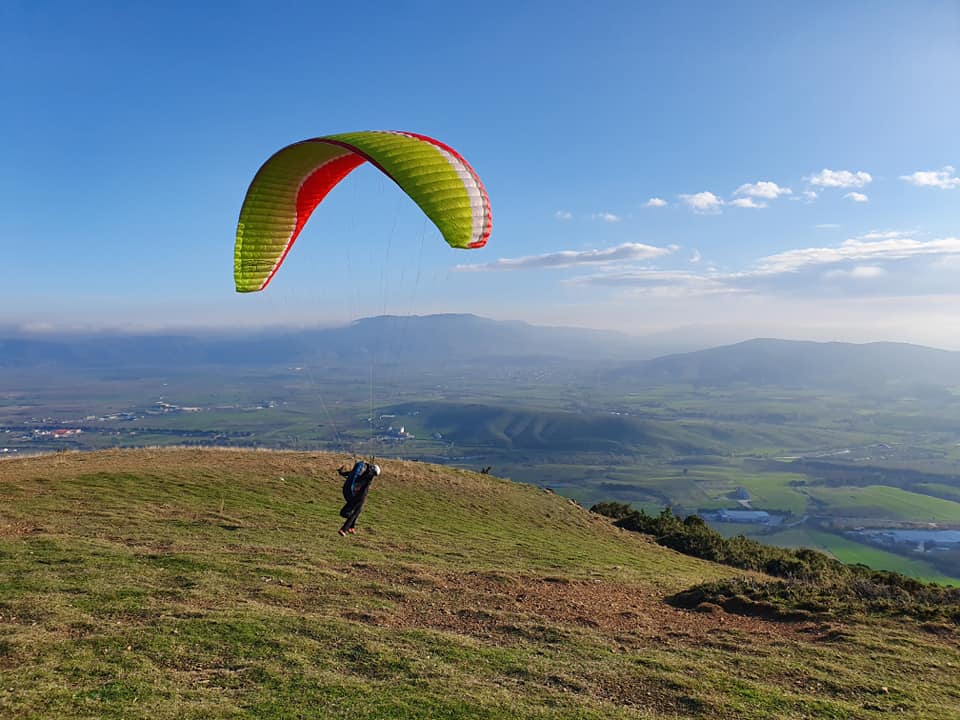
[809,581]
[613,510]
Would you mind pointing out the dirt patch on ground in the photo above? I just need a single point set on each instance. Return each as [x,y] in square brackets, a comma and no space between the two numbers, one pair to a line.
[503,609]
[19,529]
[500,606]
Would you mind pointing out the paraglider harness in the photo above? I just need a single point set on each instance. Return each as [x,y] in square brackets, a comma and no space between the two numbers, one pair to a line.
[357,481]
[350,486]
[355,488]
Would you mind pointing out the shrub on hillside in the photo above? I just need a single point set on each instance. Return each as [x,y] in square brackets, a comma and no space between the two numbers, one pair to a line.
[615,510]
[692,536]
[876,593]
[810,581]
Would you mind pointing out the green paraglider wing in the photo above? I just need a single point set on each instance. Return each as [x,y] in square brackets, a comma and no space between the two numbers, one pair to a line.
[290,185]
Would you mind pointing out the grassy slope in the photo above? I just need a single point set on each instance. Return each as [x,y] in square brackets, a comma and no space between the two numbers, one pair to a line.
[211,584]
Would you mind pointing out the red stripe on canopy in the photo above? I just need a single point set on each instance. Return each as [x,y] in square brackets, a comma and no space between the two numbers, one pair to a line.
[312,192]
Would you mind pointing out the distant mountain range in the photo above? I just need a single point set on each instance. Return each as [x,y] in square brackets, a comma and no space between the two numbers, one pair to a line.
[795,363]
[468,341]
[423,341]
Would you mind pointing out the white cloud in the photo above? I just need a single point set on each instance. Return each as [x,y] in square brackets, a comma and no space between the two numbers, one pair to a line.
[866,272]
[747,202]
[839,178]
[606,217]
[809,195]
[702,202]
[563,215]
[38,328]
[664,282]
[655,202]
[572,258]
[857,197]
[827,226]
[897,285]
[943,178]
[763,189]
[860,272]
[871,247]
[696,257]
[886,235]
[856,270]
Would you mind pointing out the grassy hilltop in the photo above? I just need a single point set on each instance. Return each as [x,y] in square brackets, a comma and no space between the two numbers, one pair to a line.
[212,584]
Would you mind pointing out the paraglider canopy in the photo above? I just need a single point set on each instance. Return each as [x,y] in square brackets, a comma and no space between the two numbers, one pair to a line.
[290,185]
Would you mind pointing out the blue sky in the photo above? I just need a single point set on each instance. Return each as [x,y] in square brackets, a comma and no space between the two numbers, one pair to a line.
[801,161]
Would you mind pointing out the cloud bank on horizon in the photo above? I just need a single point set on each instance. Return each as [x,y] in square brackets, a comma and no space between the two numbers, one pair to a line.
[908,264]
[867,267]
